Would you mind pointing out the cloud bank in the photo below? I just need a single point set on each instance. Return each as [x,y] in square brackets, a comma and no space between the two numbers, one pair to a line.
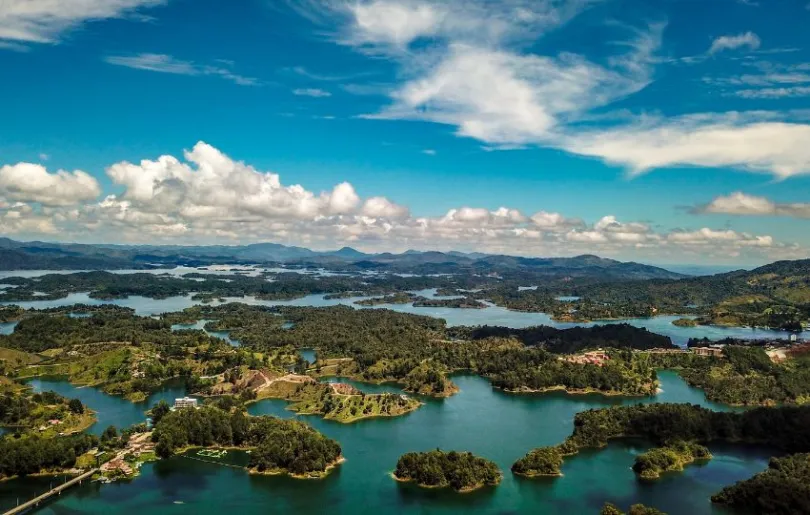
[206,197]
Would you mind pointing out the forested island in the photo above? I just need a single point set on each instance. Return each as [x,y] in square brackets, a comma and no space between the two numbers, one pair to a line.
[277,446]
[462,471]
[680,430]
[670,458]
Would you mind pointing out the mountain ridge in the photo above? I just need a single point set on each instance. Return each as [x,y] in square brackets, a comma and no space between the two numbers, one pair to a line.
[16,255]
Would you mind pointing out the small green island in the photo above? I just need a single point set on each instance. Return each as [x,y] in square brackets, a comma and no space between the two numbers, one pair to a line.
[670,458]
[636,509]
[543,461]
[277,446]
[685,322]
[461,471]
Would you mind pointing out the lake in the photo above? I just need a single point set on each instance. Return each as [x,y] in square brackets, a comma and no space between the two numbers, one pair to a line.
[111,410]
[491,315]
[498,426]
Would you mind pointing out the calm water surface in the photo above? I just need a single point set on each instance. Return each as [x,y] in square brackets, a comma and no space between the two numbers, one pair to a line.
[498,426]
[111,410]
[495,425]
[491,315]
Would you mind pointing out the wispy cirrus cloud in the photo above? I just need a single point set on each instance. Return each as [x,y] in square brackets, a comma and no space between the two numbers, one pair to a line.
[46,21]
[163,63]
[776,81]
[468,64]
[311,92]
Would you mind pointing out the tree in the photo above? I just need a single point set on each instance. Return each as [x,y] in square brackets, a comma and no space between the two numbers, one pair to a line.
[76,406]
[109,434]
[159,411]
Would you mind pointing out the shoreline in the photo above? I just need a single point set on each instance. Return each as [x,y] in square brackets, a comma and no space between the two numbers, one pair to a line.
[311,475]
[465,490]
[573,391]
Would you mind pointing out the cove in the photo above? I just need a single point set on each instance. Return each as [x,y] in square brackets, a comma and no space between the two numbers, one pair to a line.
[110,409]
[501,427]
[491,315]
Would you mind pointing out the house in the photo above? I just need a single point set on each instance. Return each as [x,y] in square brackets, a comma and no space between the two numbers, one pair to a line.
[185,402]
[715,351]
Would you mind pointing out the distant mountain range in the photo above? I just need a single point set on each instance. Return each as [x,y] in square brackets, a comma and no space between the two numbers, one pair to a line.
[16,255]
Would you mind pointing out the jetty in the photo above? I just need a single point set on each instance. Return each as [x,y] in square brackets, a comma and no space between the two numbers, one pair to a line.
[33,503]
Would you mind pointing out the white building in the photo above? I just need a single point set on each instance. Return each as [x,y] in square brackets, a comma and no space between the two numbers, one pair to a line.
[185,402]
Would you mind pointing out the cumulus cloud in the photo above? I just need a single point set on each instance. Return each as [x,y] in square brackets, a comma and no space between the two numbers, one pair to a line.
[208,197]
[739,203]
[29,182]
[747,39]
[44,21]
[163,63]
[381,207]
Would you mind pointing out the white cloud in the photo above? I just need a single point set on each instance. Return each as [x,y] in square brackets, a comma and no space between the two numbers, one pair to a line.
[44,21]
[29,182]
[163,63]
[429,152]
[708,236]
[502,97]
[798,91]
[208,197]
[381,207]
[394,22]
[554,222]
[311,92]
[476,75]
[739,203]
[390,26]
[747,39]
[732,140]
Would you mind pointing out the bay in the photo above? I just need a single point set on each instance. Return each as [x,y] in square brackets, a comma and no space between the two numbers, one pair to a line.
[499,426]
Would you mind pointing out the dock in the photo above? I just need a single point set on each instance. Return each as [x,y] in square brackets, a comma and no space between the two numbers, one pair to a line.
[33,503]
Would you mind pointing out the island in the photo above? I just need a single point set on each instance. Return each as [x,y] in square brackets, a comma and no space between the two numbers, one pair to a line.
[461,471]
[781,489]
[277,446]
[543,461]
[340,402]
[636,509]
[670,458]
[681,429]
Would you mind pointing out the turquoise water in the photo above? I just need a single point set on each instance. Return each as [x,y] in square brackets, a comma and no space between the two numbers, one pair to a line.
[199,325]
[498,426]
[491,315]
[307,354]
[7,327]
[110,409]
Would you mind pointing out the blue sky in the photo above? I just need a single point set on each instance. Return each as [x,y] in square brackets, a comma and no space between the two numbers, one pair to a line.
[668,131]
